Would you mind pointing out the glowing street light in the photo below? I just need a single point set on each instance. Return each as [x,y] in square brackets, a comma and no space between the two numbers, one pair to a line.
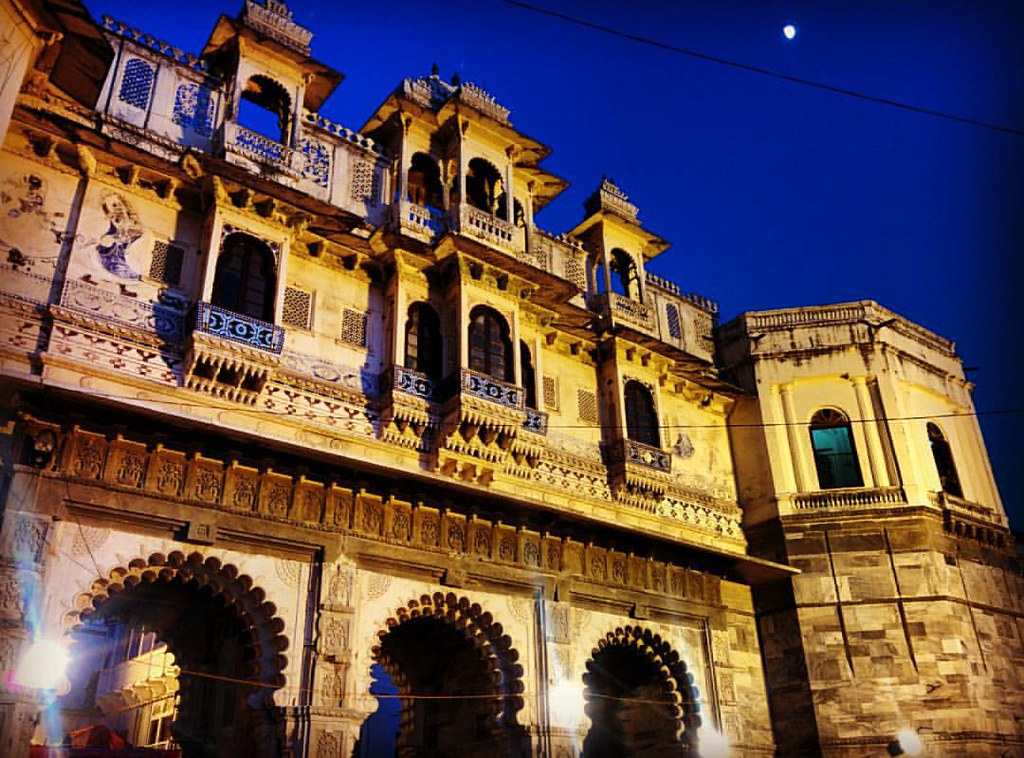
[909,741]
[789,31]
[566,700]
[43,665]
[712,743]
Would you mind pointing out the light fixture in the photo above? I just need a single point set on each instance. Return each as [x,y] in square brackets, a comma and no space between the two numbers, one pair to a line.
[566,701]
[789,31]
[712,743]
[909,741]
[43,665]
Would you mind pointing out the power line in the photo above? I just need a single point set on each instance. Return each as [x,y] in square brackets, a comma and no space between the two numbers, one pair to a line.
[824,86]
[756,425]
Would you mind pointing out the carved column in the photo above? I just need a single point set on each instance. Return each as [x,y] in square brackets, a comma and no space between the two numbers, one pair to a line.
[403,158]
[876,455]
[510,213]
[805,480]
[463,130]
[784,463]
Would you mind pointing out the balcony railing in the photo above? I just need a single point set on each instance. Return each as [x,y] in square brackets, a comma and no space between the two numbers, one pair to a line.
[257,147]
[489,229]
[625,310]
[646,455]
[965,507]
[220,322]
[417,220]
[849,497]
[487,387]
[536,422]
[558,255]
[410,382]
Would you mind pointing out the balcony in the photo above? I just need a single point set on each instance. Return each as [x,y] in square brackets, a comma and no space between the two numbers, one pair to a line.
[230,355]
[141,679]
[417,221]
[408,405]
[624,311]
[485,417]
[847,498]
[484,227]
[638,471]
[559,255]
[247,146]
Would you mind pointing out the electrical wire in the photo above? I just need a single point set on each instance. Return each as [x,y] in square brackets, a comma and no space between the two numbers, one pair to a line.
[743,425]
[824,86]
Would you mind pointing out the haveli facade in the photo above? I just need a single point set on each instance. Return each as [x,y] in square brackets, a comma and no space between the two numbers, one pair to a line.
[296,413]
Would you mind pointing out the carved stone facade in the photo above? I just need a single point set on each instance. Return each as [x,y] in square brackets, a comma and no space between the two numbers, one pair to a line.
[326,424]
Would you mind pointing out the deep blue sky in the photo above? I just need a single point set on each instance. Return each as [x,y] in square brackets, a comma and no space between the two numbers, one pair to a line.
[772,194]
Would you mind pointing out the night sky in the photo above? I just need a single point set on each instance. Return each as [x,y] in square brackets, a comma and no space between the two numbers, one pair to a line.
[772,194]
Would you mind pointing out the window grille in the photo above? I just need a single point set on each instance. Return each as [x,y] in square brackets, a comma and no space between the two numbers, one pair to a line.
[574,272]
[587,402]
[364,182]
[165,265]
[551,393]
[353,327]
[672,313]
[136,82]
[297,309]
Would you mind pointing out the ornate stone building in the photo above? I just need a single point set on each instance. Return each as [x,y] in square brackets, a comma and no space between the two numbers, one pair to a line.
[296,416]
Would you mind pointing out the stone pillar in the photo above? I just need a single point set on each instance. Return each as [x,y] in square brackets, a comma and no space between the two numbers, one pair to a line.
[403,159]
[463,167]
[282,274]
[801,453]
[869,420]
[510,197]
[778,439]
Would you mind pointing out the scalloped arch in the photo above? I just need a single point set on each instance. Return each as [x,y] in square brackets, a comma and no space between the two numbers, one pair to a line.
[238,592]
[676,681]
[479,628]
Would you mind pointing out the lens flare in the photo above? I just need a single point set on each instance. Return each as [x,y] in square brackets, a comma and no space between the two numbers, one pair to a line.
[909,741]
[789,31]
[566,699]
[43,665]
[711,743]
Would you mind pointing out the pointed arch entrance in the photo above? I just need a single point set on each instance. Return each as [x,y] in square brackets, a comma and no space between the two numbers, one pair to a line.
[224,635]
[639,698]
[458,677]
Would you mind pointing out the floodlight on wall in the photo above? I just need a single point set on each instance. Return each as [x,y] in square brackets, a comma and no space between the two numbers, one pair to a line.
[566,702]
[43,665]
[712,743]
[907,742]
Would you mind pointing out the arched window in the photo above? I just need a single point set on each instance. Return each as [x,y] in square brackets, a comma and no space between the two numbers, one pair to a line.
[943,456]
[625,276]
[490,347]
[834,454]
[529,375]
[266,108]
[425,181]
[245,279]
[423,340]
[484,186]
[641,418]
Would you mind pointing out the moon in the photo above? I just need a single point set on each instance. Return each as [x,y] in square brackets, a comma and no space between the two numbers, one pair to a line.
[789,31]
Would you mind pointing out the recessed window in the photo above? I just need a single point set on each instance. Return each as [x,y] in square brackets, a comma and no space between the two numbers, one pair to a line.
[529,375]
[641,416]
[490,347]
[943,456]
[266,108]
[245,278]
[835,456]
[423,340]
[625,275]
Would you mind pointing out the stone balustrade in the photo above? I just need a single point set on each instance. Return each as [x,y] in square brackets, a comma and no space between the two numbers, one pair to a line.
[425,224]
[256,146]
[849,497]
[410,382]
[536,422]
[490,229]
[488,388]
[559,255]
[646,455]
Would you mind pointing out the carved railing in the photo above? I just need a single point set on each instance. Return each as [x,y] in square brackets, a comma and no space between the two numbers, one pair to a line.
[965,507]
[417,220]
[672,288]
[410,382]
[176,54]
[646,455]
[849,497]
[559,255]
[487,387]
[489,229]
[630,312]
[536,422]
[256,146]
[220,322]
[478,98]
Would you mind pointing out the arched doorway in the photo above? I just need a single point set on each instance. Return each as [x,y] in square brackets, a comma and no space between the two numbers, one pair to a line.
[224,639]
[245,278]
[638,698]
[459,679]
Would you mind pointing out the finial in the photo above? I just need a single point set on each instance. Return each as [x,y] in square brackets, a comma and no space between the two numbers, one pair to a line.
[434,70]
[456,79]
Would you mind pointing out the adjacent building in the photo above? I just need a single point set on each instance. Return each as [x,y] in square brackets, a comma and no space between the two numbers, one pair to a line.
[315,443]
